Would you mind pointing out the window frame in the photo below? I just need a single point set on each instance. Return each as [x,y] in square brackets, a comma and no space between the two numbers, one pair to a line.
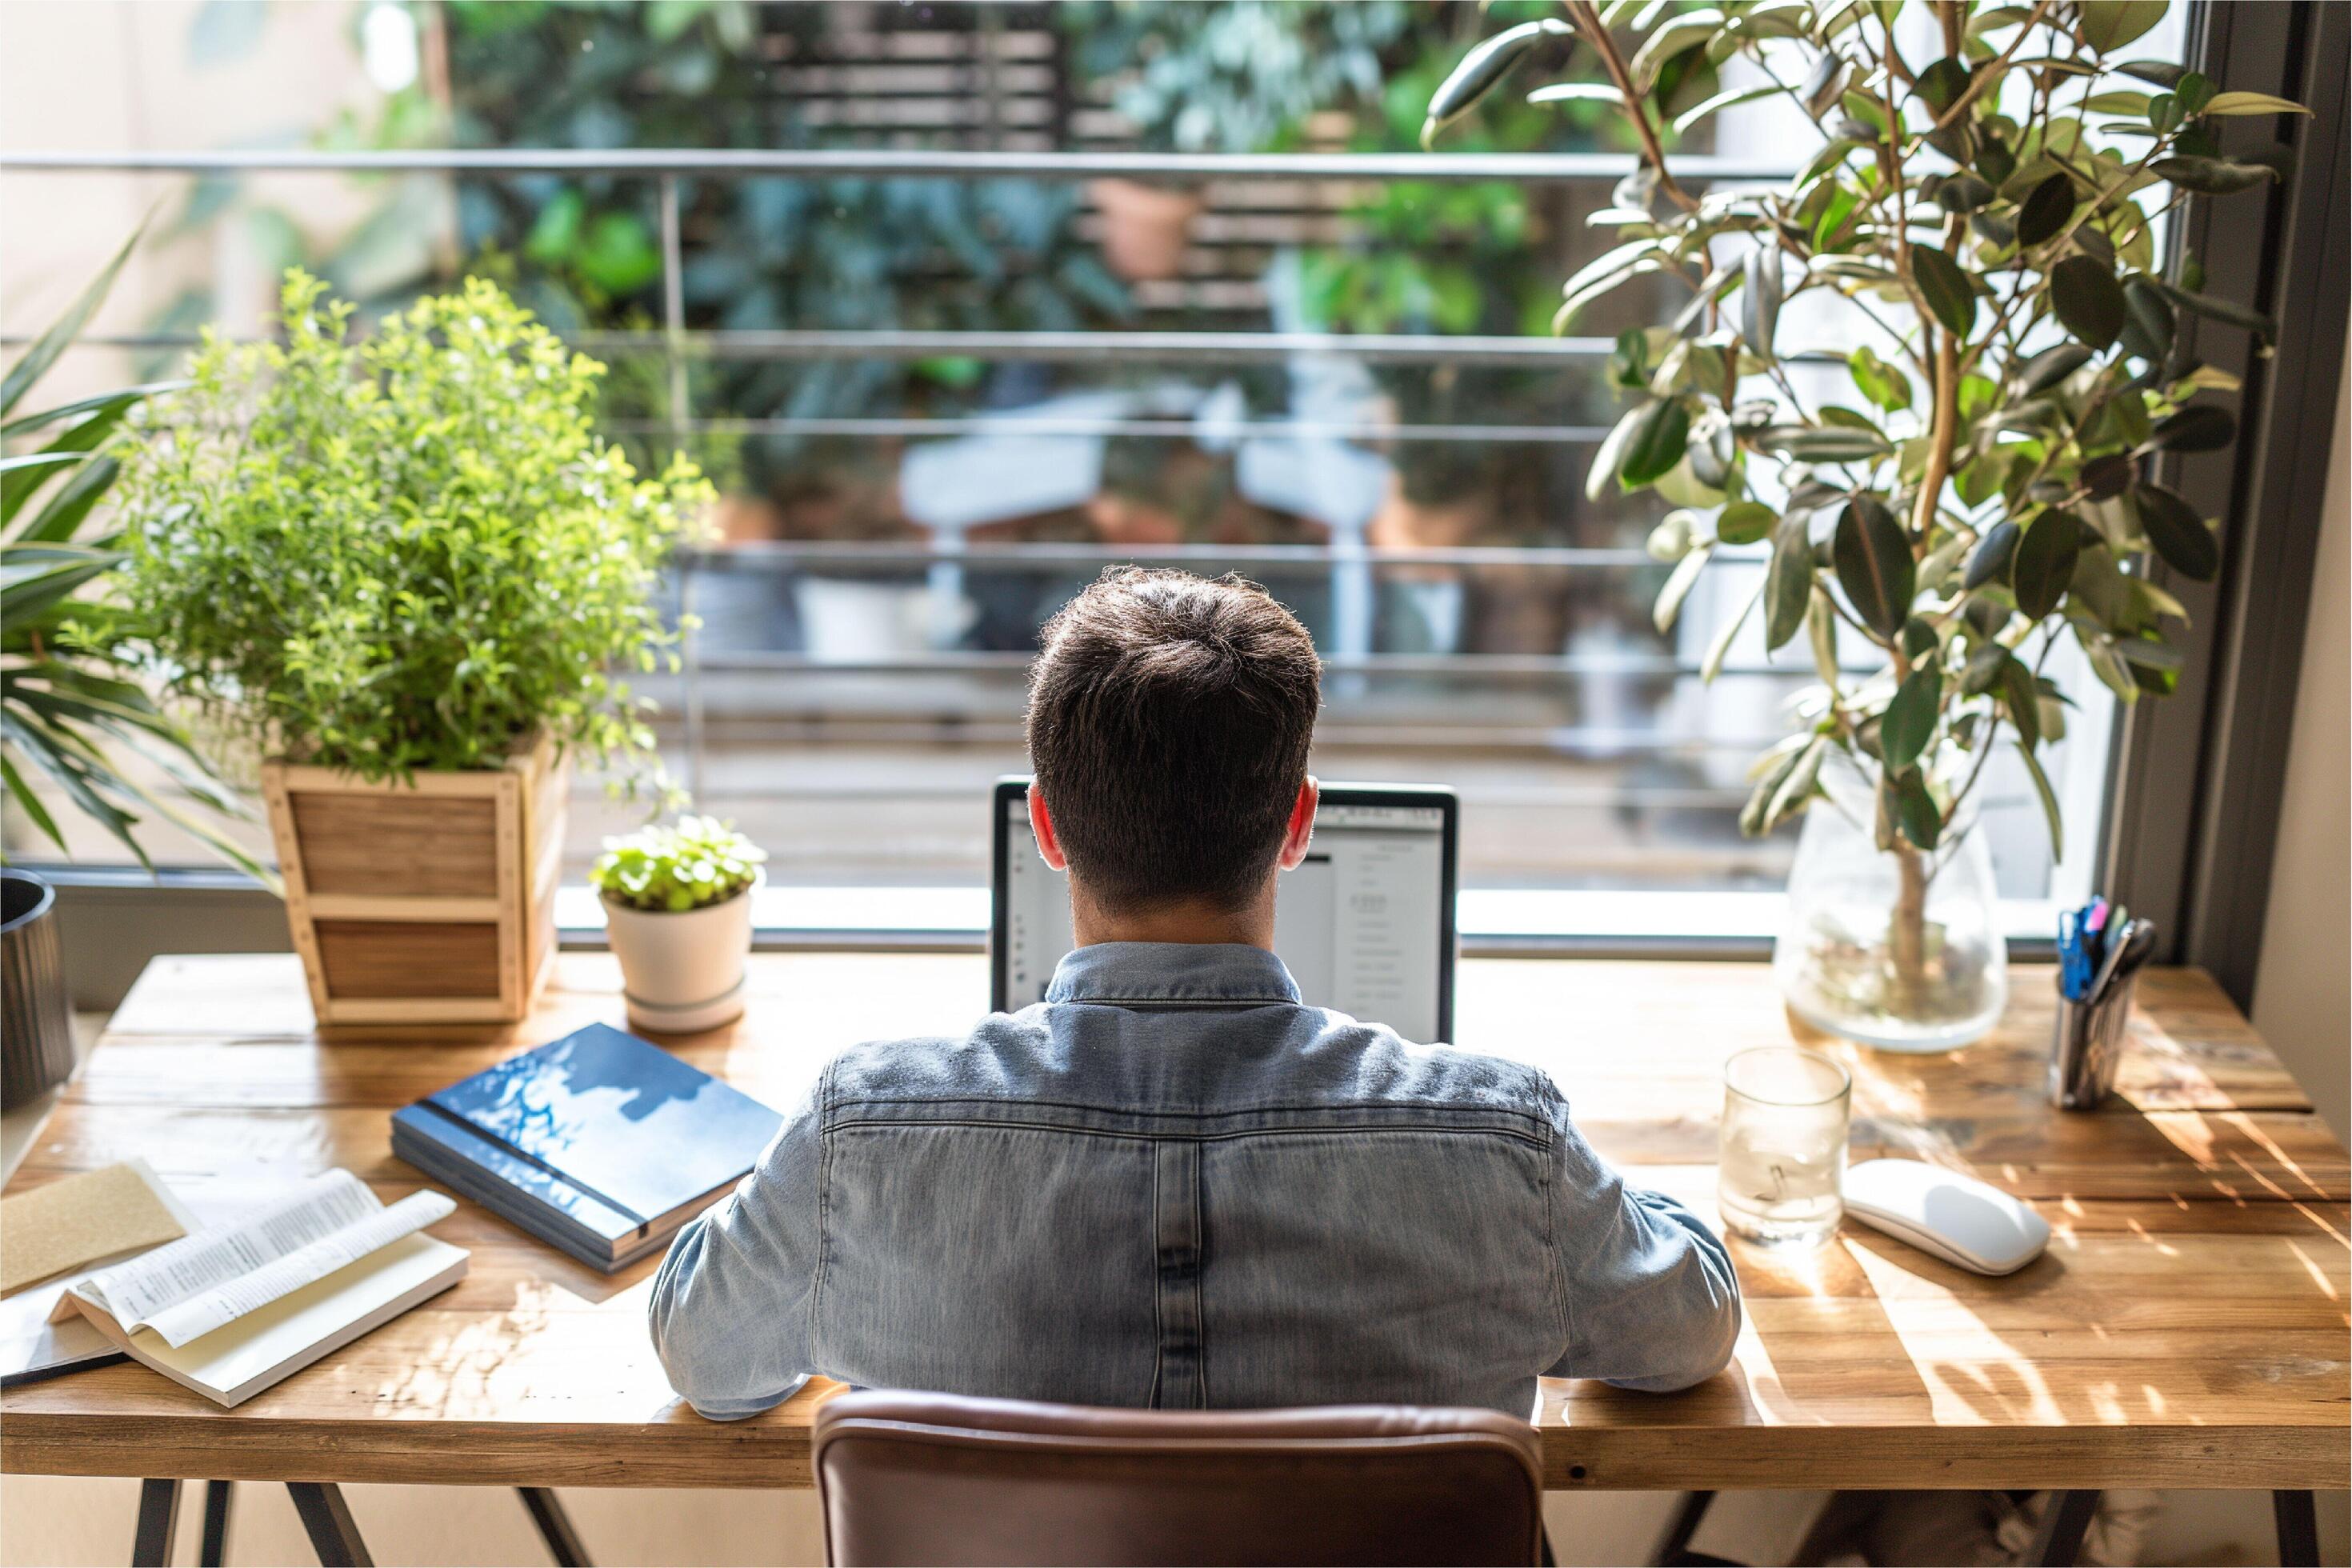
[2195,781]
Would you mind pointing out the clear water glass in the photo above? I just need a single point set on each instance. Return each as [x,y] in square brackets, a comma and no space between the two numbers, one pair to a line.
[1782,1173]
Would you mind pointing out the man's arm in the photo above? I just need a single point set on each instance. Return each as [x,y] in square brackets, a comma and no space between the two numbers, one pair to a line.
[1653,1302]
[731,1306]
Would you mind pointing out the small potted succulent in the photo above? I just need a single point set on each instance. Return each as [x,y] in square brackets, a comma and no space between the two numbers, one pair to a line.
[677,909]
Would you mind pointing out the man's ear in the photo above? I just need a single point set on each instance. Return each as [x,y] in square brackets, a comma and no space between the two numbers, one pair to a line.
[1295,839]
[1040,823]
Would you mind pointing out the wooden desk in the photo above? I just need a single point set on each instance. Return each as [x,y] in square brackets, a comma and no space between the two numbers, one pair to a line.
[2188,1327]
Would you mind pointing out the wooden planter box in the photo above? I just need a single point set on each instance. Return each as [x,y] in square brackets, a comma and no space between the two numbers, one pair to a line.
[425,902]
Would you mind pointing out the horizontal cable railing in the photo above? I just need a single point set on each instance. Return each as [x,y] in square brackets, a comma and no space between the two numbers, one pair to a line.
[1544,666]
[1336,727]
[886,163]
[1205,428]
[771,554]
[1221,348]
[1225,348]
[1349,560]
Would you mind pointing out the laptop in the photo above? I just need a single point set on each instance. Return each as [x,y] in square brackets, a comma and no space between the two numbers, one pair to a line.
[1365,925]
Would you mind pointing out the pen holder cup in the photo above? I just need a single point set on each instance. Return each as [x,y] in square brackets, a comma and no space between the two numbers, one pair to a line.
[2088,1043]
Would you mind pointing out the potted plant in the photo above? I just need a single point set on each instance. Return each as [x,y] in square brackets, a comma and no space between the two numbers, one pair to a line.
[71,709]
[677,910]
[1230,77]
[409,570]
[1984,221]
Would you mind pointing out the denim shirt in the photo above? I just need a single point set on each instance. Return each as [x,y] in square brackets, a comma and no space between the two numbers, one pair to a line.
[1171,1184]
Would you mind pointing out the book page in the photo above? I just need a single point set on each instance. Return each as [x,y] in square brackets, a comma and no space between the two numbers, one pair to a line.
[193,1286]
[298,1330]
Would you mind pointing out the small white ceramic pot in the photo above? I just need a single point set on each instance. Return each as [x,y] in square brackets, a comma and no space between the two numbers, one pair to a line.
[682,973]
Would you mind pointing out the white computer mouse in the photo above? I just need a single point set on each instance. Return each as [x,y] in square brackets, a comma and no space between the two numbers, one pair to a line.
[1955,1217]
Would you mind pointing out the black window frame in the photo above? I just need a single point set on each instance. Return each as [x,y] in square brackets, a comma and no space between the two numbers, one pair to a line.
[2195,781]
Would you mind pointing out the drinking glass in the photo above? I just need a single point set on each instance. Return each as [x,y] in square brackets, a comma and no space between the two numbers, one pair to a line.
[1783,1145]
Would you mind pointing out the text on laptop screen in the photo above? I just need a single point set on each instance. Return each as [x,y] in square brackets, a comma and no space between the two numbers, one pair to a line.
[1359,923]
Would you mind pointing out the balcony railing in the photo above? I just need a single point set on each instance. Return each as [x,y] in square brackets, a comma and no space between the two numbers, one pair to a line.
[1349,568]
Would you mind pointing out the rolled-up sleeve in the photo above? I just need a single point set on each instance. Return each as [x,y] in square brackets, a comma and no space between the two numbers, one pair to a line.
[733,1305]
[1650,1298]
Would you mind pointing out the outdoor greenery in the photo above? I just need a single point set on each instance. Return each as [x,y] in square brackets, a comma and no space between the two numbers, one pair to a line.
[842,254]
[71,705]
[409,553]
[584,253]
[697,861]
[1981,222]
[1230,76]
[1454,258]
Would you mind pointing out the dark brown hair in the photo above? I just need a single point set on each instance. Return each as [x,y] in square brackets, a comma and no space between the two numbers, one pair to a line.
[1168,720]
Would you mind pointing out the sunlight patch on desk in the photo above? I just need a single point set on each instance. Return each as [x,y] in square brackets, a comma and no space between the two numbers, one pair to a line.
[2319,1275]
[1960,1390]
[466,1374]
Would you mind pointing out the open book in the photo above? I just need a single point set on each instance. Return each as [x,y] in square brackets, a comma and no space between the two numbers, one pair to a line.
[230,1310]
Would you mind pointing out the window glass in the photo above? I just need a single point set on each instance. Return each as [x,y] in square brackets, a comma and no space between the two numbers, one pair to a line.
[1369,414]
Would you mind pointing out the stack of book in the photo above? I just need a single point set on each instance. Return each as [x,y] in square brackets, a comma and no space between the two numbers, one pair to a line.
[598,1144]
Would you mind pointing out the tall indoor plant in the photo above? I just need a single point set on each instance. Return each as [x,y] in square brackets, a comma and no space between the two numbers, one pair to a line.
[72,708]
[1986,219]
[409,568]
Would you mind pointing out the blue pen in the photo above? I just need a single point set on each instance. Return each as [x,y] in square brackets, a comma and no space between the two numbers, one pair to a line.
[2070,955]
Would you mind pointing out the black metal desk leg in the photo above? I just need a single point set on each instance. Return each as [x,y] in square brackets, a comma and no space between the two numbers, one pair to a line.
[159,1510]
[1689,1510]
[2065,1523]
[2298,1529]
[555,1526]
[328,1519]
[215,1548]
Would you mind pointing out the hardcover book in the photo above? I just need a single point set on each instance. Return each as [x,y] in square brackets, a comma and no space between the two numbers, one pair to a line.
[597,1143]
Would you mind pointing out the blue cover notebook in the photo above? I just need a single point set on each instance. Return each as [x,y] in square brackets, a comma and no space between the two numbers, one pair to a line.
[598,1142]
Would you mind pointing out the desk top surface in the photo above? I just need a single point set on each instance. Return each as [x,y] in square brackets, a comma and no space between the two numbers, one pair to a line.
[2187,1327]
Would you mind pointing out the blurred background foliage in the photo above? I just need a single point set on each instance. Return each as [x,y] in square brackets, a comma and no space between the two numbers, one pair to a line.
[1225,76]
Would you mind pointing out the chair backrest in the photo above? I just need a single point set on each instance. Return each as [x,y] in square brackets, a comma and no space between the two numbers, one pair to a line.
[931,1478]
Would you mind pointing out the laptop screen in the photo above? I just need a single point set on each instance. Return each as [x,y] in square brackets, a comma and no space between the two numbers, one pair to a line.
[1364,924]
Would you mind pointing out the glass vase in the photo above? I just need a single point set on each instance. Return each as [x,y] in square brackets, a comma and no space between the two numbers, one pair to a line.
[1900,949]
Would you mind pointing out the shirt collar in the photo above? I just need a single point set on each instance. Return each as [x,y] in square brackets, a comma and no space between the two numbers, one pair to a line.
[1155,972]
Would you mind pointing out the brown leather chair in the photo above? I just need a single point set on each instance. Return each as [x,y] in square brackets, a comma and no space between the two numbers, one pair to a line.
[931,1478]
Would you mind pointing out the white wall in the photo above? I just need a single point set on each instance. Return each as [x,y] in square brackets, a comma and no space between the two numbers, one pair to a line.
[2303,991]
[114,76]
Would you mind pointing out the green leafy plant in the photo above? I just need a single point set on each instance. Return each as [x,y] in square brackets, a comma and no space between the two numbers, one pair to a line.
[761,254]
[410,552]
[71,703]
[1985,221]
[697,861]
[1232,76]
[1453,258]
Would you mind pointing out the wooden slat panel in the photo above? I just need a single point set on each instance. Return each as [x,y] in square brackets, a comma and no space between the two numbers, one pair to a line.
[368,906]
[398,959]
[2189,1325]
[426,845]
